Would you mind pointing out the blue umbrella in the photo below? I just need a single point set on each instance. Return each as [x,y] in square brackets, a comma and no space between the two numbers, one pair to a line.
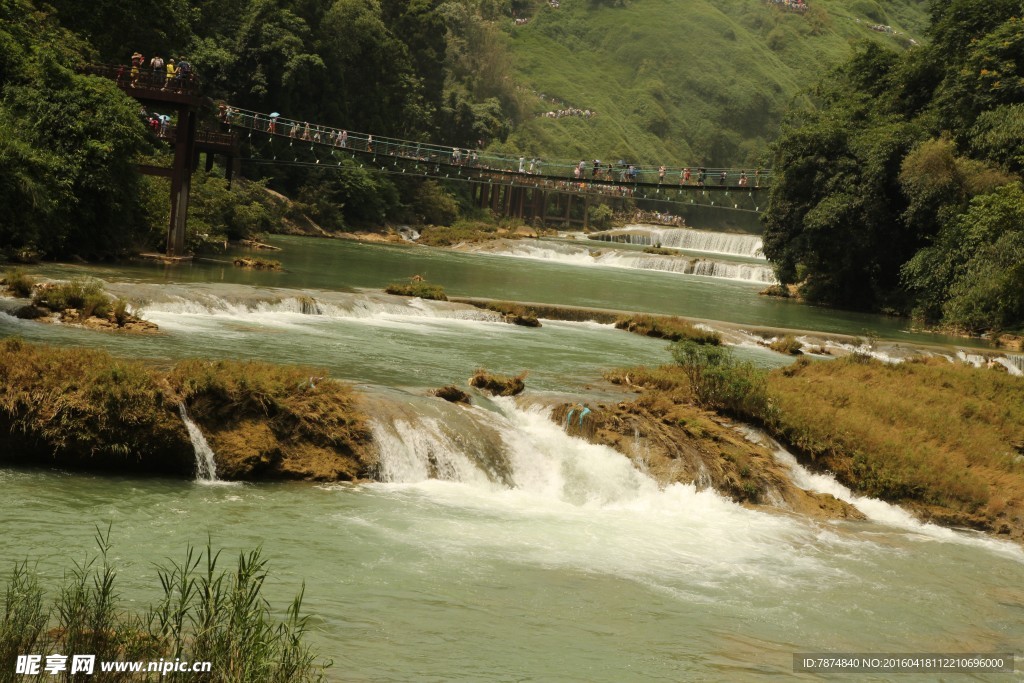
[274,115]
[164,117]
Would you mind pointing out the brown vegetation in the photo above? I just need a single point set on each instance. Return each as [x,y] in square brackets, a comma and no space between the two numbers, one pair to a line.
[667,327]
[498,385]
[85,409]
[937,436]
[257,263]
[452,394]
[945,440]
[417,288]
[269,421]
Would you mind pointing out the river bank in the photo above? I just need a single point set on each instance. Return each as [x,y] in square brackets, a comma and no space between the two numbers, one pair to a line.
[87,410]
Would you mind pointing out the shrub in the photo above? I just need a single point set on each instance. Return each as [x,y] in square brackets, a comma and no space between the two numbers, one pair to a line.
[258,263]
[420,289]
[85,296]
[601,217]
[720,382]
[788,345]
[19,283]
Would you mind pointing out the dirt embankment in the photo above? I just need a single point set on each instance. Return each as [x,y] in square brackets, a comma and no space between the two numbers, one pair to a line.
[676,442]
[86,410]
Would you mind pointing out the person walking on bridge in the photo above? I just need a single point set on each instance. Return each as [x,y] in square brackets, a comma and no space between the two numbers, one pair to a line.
[171,73]
[157,66]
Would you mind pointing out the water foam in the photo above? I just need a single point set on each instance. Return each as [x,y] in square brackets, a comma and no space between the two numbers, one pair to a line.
[206,466]
[877,510]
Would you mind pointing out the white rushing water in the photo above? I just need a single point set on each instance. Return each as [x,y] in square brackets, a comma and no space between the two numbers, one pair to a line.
[686,238]
[206,467]
[571,254]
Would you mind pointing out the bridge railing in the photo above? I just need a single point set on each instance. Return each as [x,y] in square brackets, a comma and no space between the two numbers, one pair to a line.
[145,78]
[314,134]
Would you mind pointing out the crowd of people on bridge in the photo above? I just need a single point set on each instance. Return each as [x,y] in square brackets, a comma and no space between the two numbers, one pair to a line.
[618,178]
[157,73]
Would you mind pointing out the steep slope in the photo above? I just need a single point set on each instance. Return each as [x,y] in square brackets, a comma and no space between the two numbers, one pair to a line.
[683,81]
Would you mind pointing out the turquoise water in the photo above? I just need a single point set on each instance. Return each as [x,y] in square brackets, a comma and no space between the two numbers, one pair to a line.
[578,567]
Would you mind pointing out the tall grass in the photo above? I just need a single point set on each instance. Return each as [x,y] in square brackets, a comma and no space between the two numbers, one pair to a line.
[19,283]
[206,613]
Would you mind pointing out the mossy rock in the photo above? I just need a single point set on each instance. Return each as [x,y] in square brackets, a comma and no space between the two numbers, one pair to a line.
[420,289]
[258,264]
[498,385]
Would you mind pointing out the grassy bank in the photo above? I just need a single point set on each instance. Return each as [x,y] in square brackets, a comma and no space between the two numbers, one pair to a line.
[85,409]
[944,439]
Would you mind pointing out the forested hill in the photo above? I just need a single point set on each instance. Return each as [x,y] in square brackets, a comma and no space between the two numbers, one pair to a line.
[687,81]
[671,81]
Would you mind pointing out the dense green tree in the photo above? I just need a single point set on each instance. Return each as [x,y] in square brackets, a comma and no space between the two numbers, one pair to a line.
[117,28]
[901,181]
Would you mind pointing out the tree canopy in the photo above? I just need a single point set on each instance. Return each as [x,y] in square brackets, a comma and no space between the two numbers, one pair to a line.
[899,186]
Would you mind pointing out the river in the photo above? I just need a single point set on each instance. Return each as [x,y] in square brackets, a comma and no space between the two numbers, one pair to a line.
[579,567]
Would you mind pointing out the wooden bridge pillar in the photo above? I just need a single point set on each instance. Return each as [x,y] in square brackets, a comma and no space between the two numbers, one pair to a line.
[181,179]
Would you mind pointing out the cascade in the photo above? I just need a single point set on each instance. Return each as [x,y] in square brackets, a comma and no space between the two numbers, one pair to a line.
[615,258]
[687,238]
[534,456]
[206,468]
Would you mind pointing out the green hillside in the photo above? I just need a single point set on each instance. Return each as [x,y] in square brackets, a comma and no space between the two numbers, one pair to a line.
[682,81]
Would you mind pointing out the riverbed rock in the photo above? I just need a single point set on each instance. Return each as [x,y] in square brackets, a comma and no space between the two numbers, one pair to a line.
[452,394]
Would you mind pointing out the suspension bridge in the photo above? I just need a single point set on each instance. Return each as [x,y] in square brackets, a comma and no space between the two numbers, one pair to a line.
[550,190]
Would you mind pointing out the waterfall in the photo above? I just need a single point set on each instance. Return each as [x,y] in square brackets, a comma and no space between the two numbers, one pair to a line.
[735,244]
[618,258]
[532,455]
[206,468]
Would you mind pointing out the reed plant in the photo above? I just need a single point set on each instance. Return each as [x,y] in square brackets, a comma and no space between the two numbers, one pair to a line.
[205,614]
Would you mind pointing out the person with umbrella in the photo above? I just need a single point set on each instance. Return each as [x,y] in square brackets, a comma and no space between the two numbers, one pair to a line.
[272,126]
